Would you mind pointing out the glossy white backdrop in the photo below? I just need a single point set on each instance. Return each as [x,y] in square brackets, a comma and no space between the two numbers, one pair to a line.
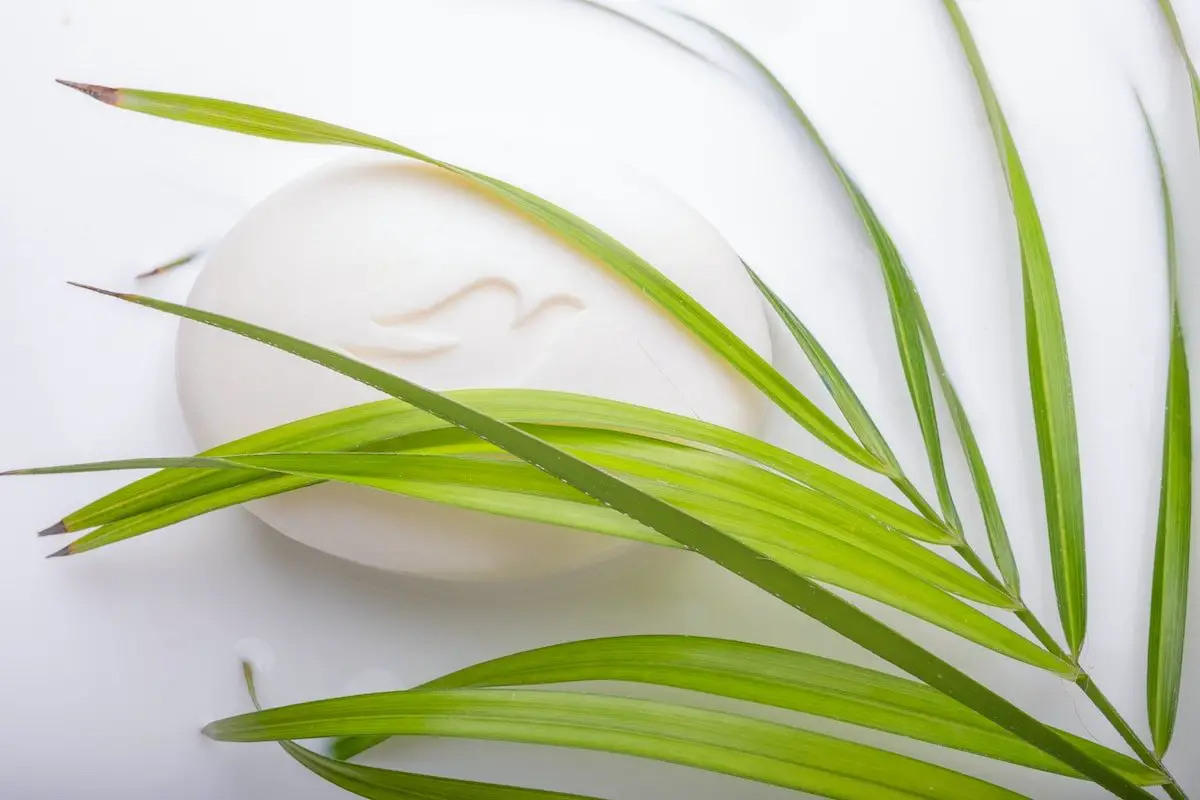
[110,662]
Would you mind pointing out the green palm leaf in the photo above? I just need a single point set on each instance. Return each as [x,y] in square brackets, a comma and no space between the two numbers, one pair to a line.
[875,563]
[1049,370]
[582,235]
[799,592]
[393,426]
[447,466]
[716,741]
[900,298]
[915,342]
[774,677]
[1172,552]
[847,400]
[385,784]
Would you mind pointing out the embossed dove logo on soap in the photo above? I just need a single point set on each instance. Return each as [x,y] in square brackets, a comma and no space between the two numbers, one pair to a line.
[504,332]
[500,332]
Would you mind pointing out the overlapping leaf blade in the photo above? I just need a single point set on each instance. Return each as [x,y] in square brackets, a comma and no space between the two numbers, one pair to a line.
[799,592]
[1049,369]
[841,391]
[1172,552]
[993,520]
[446,467]
[391,426]
[908,335]
[822,606]
[769,676]
[874,562]
[716,741]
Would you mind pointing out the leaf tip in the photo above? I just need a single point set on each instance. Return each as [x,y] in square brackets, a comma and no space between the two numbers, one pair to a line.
[97,290]
[1161,736]
[66,551]
[344,749]
[1076,646]
[55,529]
[105,94]
[174,263]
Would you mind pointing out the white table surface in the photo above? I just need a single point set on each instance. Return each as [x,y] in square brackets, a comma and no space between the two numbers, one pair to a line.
[110,662]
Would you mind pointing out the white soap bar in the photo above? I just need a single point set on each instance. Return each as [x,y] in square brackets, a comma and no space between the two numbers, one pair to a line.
[417,272]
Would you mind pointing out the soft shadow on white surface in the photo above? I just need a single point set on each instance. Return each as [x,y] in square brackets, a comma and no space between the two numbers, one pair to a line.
[115,659]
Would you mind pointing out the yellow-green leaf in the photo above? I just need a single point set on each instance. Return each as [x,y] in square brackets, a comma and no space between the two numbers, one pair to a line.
[1049,369]
[1172,552]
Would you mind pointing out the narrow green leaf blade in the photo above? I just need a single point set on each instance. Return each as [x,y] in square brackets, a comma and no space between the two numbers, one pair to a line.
[385,784]
[716,741]
[916,586]
[878,564]
[1177,34]
[1049,369]
[904,324]
[835,382]
[799,592]
[993,520]
[583,236]
[908,312]
[647,27]
[768,676]
[391,426]
[1172,551]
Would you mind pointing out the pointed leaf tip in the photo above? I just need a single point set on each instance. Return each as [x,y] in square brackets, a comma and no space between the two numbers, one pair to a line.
[55,529]
[97,290]
[105,94]
[66,551]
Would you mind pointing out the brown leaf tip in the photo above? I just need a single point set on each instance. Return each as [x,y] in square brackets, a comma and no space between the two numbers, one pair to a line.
[170,265]
[54,530]
[97,290]
[105,94]
[66,551]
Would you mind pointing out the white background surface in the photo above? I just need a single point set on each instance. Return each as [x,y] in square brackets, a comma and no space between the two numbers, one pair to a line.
[111,662]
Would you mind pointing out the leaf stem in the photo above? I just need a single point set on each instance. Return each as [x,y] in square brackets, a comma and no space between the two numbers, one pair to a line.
[968,554]
[1035,626]
[1084,681]
[906,487]
[1101,702]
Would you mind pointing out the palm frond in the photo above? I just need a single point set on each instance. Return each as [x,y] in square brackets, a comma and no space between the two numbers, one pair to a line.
[692,533]
[773,677]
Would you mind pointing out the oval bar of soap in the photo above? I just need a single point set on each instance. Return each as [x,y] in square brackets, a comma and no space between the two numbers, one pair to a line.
[413,270]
